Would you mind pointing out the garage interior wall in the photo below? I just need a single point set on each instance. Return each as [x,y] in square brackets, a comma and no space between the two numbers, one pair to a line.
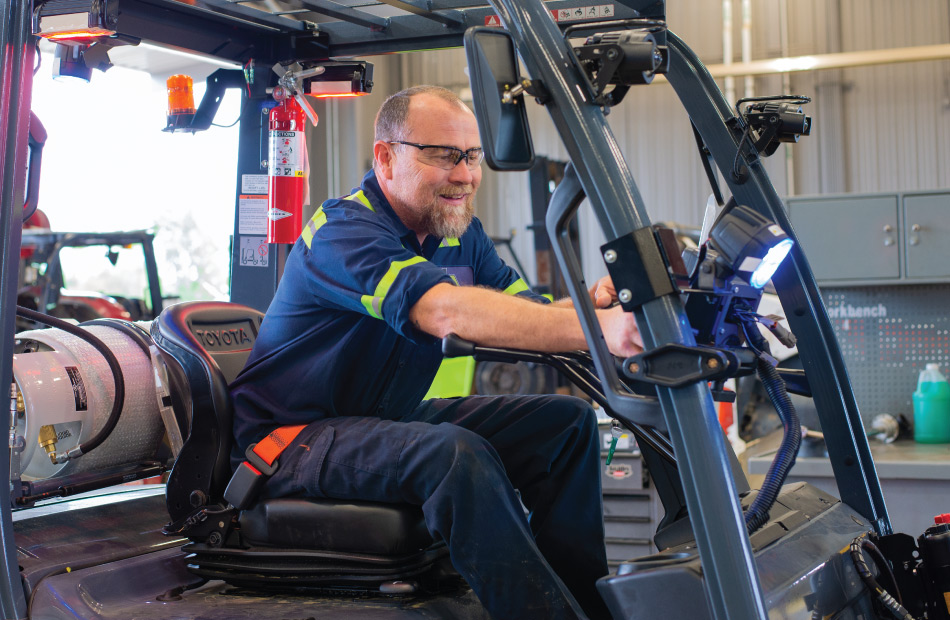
[877,128]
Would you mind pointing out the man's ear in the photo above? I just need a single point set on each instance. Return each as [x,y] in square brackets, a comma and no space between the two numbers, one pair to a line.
[383,154]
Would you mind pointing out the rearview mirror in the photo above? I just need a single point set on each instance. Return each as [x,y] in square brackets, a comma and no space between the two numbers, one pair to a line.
[503,127]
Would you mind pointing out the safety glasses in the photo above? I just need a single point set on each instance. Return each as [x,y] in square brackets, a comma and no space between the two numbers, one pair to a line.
[446,157]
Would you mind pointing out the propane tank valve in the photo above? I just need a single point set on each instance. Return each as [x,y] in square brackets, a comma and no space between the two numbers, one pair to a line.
[47,439]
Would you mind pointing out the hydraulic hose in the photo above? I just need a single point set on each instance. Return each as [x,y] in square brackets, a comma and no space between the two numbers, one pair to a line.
[893,605]
[117,376]
[758,513]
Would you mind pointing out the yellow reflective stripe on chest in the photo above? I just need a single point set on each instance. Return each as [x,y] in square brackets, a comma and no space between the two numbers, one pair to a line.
[516,287]
[450,242]
[374,303]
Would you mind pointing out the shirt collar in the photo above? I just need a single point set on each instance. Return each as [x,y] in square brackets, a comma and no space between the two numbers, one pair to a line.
[370,186]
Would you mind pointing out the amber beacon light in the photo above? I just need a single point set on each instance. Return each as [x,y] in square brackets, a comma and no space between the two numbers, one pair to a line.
[181,95]
[181,102]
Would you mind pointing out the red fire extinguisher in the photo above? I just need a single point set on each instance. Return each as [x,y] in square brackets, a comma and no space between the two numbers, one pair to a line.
[286,169]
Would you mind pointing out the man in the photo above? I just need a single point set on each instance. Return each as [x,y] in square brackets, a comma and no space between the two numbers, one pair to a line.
[351,343]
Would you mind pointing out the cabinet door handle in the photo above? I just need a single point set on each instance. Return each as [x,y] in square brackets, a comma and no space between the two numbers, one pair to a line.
[915,227]
[914,240]
[888,228]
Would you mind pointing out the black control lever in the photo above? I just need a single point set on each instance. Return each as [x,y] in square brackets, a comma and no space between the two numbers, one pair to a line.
[576,367]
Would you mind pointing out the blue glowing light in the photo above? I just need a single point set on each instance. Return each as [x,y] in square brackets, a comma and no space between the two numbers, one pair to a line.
[763,273]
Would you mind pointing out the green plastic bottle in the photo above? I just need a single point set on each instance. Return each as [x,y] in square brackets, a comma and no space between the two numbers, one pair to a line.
[932,407]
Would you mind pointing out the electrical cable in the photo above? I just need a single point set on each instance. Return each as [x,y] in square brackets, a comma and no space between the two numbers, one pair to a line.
[864,572]
[238,119]
[792,98]
[758,513]
[736,173]
[110,358]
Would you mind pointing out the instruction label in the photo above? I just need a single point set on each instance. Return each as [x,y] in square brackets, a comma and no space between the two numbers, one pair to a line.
[254,184]
[252,215]
[286,154]
[253,251]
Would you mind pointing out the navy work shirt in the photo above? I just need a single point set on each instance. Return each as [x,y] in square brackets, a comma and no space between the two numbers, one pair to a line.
[337,340]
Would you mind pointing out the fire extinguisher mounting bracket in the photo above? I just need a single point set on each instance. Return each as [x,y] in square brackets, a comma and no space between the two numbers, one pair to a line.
[291,80]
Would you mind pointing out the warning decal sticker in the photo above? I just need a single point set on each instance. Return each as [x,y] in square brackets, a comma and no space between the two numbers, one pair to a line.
[583,12]
[253,251]
[597,11]
[79,390]
[252,215]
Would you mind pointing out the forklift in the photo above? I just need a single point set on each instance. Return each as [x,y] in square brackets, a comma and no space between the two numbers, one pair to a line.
[75,546]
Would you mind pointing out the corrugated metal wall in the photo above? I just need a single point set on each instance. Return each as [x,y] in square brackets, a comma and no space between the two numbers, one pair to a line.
[884,128]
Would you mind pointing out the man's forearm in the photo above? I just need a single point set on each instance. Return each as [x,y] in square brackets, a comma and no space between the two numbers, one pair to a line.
[491,318]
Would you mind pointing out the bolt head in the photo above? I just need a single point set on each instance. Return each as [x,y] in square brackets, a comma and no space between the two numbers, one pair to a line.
[634,367]
[712,362]
[610,256]
[625,295]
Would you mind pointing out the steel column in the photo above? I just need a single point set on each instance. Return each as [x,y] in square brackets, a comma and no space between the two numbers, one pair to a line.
[732,581]
[16,84]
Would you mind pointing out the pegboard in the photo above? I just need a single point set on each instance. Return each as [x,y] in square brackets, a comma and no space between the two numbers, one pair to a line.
[887,335]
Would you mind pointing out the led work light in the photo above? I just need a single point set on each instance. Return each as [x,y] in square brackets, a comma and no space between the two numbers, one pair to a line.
[749,244]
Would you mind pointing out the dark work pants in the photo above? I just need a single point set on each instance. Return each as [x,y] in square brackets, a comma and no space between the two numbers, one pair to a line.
[461,460]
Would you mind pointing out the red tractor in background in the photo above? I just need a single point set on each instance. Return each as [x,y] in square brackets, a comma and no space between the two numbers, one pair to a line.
[42,285]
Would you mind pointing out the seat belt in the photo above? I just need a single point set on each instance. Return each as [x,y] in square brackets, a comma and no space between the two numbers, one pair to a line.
[261,463]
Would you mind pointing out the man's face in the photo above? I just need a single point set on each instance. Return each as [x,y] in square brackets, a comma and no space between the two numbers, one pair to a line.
[429,199]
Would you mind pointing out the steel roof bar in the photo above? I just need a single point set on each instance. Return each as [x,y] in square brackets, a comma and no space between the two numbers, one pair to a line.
[345,13]
[449,18]
[253,15]
[412,32]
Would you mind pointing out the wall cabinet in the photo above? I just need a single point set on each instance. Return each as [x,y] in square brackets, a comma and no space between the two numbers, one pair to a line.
[876,238]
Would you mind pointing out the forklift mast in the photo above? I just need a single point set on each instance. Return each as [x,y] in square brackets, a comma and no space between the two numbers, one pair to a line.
[250,31]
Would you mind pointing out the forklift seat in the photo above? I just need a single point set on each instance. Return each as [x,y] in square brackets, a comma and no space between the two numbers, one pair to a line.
[283,542]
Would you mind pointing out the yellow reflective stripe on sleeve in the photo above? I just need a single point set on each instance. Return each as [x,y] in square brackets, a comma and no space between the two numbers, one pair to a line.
[361,197]
[516,287]
[450,242]
[374,303]
[319,219]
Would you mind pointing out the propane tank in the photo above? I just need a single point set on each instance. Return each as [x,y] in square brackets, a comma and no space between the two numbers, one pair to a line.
[286,169]
[65,394]
[934,547]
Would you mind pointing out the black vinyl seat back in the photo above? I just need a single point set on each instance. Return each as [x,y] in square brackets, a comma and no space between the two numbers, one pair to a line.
[207,344]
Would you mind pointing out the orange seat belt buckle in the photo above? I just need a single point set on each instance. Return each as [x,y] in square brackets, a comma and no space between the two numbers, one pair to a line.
[245,485]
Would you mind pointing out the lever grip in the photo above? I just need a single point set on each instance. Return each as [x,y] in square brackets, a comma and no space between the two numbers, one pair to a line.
[454,346]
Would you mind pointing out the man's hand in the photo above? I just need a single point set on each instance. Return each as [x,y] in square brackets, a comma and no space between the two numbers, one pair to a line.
[620,331]
[603,293]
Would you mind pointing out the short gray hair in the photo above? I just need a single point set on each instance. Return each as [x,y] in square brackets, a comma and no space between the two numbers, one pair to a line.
[393,115]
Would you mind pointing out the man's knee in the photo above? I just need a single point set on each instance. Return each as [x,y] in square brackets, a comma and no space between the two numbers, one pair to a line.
[447,451]
[570,411]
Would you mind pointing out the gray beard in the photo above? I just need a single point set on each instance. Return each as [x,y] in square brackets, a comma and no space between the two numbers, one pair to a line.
[437,222]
